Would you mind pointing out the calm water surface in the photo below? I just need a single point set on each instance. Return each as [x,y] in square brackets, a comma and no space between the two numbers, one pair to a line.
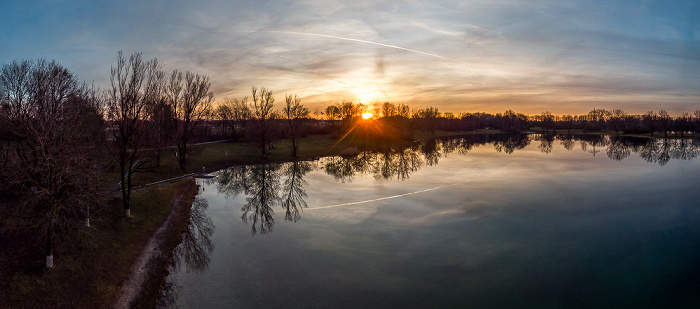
[474,222]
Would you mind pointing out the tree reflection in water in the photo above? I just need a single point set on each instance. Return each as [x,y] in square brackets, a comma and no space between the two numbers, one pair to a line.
[345,169]
[619,148]
[595,141]
[196,246]
[194,250]
[294,193]
[510,143]
[546,142]
[400,163]
[169,295]
[661,151]
[264,188]
[431,152]
[567,140]
[271,185]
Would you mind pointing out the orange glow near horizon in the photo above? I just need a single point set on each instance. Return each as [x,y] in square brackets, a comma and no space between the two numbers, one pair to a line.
[367,115]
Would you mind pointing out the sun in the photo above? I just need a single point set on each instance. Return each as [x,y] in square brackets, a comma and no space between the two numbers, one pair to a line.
[367,115]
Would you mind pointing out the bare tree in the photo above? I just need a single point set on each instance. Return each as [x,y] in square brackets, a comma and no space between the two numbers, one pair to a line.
[161,127]
[403,110]
[263,103]
[388,109]
[296,115]
[54,167]
[664,120]
[568,121]
[596,119]
[241,114]
[222,113]
[617,120]
[16,81]
[191,102]
[547,121]
[427,118]
[332,112]
[133,82]
[348,110]
[159,116]
[275,129]
[649,120]
[238,113]
[683,123]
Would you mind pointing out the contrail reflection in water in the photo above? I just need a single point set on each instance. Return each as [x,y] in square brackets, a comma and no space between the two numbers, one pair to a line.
[387,197]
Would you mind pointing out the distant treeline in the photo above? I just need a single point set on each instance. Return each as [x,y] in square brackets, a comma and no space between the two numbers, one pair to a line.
[400,121]
[596,120]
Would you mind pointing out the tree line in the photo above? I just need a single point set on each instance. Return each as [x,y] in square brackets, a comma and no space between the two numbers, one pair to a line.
[509,121]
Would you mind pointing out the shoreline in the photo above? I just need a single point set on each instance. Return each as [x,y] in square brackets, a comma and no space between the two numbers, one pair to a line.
[147,274]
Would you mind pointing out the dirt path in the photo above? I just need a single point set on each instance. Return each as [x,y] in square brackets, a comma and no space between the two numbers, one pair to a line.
[140,269]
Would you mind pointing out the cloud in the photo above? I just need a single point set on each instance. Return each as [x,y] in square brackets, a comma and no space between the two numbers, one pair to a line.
[562,56]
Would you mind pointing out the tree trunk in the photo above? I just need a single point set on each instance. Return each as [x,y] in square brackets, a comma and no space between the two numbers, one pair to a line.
[125,185]
[49,250]
[125,201]
[264,144]
[181,157]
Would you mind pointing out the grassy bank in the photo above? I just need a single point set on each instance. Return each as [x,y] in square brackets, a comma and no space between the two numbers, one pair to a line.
[89,271]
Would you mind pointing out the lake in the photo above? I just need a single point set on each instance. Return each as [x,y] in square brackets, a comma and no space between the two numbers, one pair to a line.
[481,221]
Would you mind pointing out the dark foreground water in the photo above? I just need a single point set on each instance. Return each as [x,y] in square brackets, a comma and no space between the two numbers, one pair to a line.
[475,222]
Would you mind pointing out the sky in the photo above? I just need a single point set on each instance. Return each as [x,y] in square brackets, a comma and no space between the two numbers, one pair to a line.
[561,56]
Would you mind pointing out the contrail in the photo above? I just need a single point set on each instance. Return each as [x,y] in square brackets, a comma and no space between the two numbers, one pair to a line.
[364,41]
[386,197]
